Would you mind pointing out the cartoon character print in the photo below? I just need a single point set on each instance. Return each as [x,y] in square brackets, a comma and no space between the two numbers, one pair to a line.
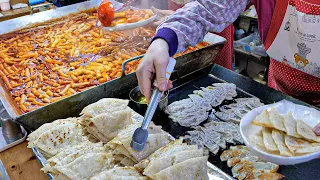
[301,57]
[286,62]
[314,69]
[287,26]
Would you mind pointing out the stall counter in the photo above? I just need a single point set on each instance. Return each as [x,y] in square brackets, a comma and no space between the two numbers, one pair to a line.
[20,163]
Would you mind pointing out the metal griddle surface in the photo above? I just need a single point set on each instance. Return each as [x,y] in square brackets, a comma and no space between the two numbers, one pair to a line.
[216,74]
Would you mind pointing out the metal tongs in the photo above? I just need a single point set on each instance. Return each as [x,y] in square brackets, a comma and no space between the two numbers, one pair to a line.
[140,135]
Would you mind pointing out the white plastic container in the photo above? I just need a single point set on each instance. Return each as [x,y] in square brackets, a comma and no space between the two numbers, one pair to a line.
[4,5]
[244,44]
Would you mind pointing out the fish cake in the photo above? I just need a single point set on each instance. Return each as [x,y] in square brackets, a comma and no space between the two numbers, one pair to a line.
[306,132]
[291,125]
[276,120]
[268,140]
[279,139]
[263,119]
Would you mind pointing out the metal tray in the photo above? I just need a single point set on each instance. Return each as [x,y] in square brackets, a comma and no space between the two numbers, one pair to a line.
[72,105]
[3,173]
[4,145]
[245,88]
[214,172]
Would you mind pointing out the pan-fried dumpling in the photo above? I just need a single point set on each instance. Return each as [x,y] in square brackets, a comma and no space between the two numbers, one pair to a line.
[263,120]
[120,145]
[125,133]
[127,162]
[192,116]
[164,162]
[70,154]
[229,115]
[106,105]
[251,103]
[191,169]
[58,138]
[93,134]
[200,102]
[276,120]
[121,150]
[301,146]
[264,175]
[268,140]
[244,157]
[234,151]
[291,125]
[154,142]
[110,124]
[179,106]
[128,132]
[214,95]
[229,88]
[87,165]
[119,173]
[306,132]
[279,139]
[246,167]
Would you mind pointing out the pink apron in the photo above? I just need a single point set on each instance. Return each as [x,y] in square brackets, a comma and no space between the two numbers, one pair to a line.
[293,43]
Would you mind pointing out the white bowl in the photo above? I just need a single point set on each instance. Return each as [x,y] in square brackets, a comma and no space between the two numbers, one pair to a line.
[309,115]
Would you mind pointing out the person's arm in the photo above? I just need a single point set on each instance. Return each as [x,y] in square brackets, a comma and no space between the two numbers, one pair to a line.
[185,27]
[188,25]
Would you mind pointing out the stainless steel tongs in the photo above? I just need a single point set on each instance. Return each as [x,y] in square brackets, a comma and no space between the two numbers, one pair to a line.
[140,135]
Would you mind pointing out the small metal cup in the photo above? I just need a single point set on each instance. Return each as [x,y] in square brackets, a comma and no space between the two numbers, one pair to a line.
[141,108]
[11,131]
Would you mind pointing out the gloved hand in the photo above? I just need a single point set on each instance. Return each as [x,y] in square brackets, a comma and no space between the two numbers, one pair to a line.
[163,15]
[316,129]
[155,61]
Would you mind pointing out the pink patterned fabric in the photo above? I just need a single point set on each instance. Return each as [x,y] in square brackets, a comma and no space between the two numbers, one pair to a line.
[265,10]
[192,22]
[224,57]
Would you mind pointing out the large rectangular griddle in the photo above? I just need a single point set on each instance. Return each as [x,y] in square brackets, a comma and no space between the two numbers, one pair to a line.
[245,88]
